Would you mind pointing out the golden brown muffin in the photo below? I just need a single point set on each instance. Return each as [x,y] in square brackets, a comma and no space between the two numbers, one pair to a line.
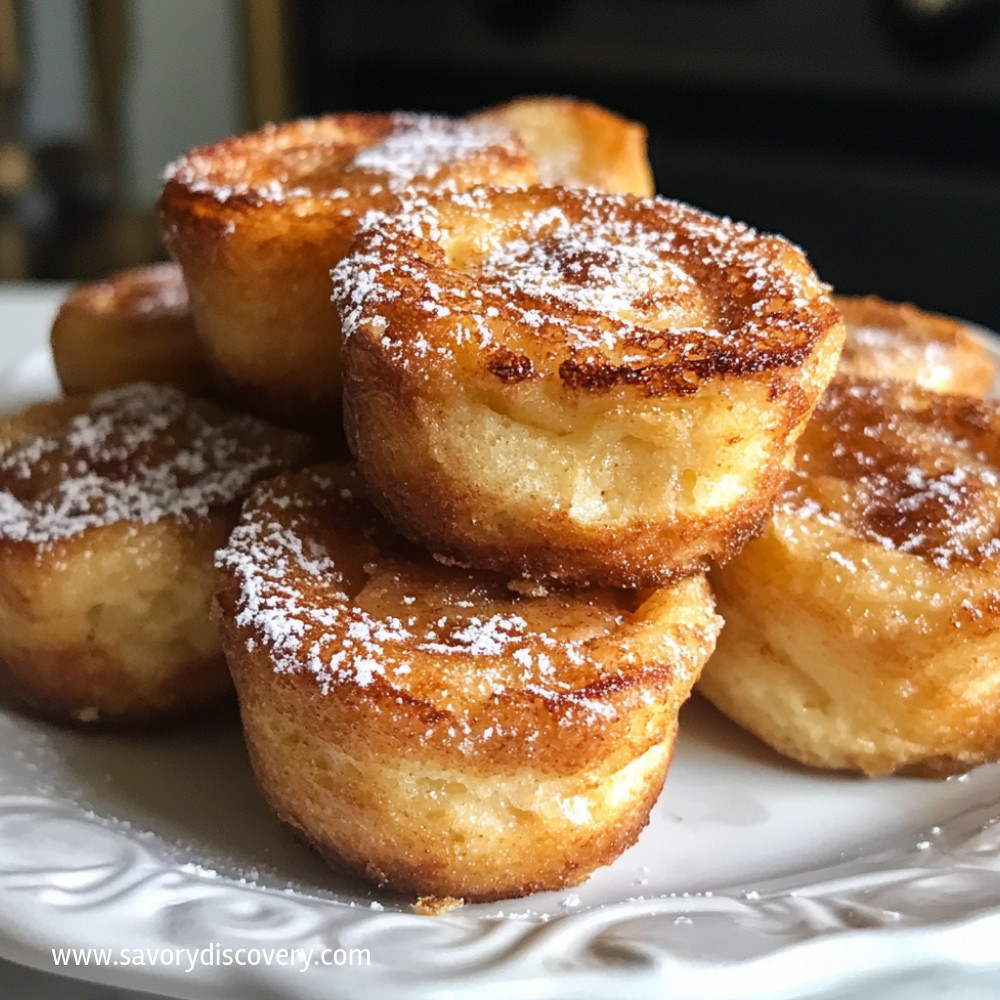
[134,326]
[111,507]
[863,627]
[430,728]
[596,388]
[578,144]
[893,340]
[257,222]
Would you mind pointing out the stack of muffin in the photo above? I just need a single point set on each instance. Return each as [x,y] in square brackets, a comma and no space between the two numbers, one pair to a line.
[460,657]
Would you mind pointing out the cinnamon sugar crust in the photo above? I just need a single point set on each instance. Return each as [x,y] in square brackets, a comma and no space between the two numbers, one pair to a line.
[883,556]
[431,727]
[598,388]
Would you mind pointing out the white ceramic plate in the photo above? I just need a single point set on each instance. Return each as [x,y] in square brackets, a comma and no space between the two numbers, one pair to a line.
[754,879]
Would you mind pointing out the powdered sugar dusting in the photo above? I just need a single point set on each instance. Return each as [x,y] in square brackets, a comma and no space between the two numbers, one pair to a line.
[421,146]
[140,453]
[626,279]
[349,606]
[341,158]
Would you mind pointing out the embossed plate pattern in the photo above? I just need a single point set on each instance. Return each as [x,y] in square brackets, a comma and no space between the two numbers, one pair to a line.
[755,879]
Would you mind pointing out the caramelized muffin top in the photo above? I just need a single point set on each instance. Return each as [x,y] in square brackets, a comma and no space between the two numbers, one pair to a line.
[336,595]
[894,340]
[140,453]
[158,288]
[589,288]
[908,469]
[349,162]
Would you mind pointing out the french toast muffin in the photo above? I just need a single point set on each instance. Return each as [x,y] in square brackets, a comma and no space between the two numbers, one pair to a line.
[431,728]
[111,507]
[895,340]
[863,627]
[134,326]
[257,222]
[579,144]
[566,384]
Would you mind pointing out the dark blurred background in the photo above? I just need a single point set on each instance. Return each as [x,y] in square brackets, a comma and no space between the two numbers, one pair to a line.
[868,131]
